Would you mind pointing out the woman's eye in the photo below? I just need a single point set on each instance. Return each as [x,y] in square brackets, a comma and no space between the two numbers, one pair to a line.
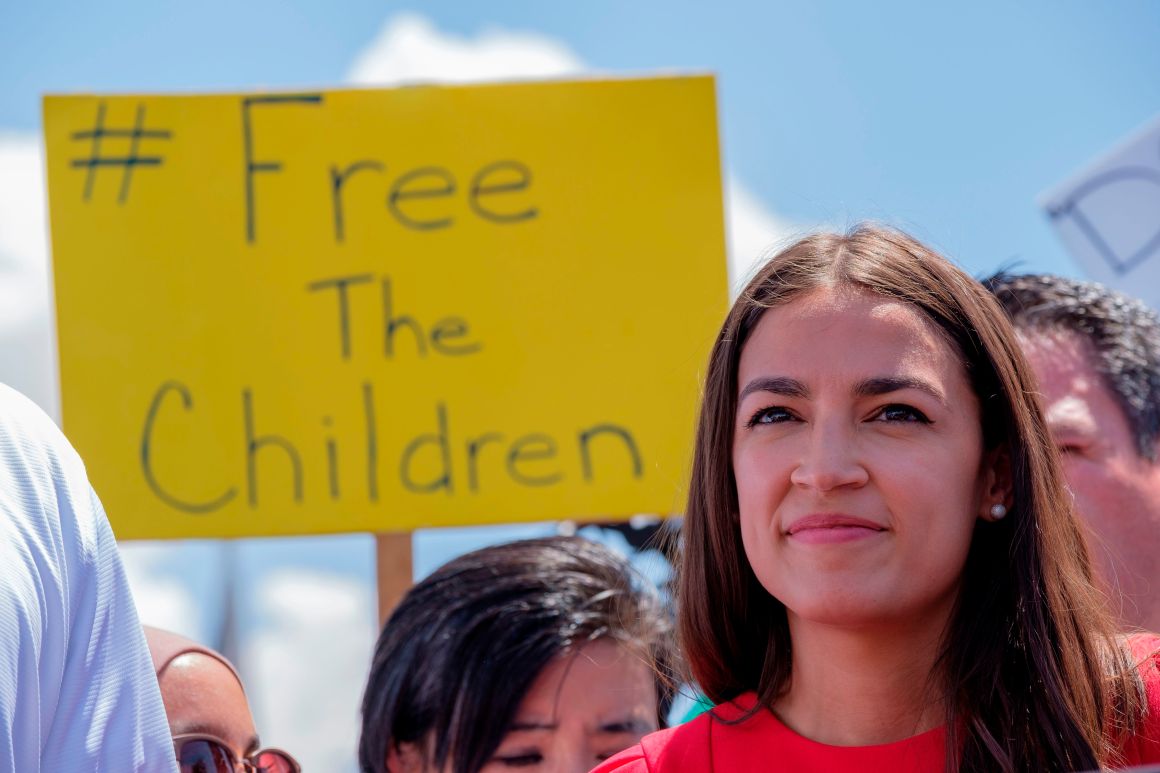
[774,415]
[525,760]
[902,413]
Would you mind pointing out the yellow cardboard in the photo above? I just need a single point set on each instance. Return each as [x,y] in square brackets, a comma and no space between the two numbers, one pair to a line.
[371,310]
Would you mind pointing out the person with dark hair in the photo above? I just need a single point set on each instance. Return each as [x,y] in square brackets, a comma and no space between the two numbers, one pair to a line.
[1096,356]
[542,654]
[209,716]
[880,567]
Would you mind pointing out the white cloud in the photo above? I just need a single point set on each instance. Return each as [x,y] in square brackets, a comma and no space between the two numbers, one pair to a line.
[165,599]
[410,49]
[23,226]
[751,230]
[27,347]
[306,664]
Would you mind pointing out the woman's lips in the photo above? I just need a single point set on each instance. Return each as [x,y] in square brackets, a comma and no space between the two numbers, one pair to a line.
[828,528]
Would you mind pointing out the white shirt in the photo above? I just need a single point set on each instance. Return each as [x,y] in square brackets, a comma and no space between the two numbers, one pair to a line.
[77,689]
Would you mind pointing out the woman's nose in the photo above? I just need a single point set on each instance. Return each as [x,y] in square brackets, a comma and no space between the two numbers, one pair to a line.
[830,459]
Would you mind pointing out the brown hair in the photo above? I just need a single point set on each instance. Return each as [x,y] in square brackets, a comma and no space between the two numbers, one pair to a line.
[1029,666]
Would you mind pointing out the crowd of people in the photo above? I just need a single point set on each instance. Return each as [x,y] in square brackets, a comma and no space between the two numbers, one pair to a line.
[920,535]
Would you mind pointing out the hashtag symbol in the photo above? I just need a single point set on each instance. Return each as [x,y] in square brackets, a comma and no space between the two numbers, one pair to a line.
[127,162]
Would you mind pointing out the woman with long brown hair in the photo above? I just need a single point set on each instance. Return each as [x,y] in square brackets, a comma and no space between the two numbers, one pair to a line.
[880,569]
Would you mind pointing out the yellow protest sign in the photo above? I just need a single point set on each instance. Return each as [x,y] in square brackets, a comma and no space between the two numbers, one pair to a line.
[384,309]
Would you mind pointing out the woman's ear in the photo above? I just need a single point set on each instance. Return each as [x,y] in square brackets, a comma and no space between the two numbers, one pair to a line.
[995,479]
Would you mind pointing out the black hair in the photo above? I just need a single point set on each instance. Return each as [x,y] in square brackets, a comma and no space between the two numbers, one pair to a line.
[461,650]
[1122,332]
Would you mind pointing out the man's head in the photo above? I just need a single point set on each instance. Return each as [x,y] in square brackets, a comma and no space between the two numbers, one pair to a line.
[1096,354]
[209,716]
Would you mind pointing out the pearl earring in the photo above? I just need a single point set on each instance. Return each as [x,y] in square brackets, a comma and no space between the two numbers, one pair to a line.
[998,511]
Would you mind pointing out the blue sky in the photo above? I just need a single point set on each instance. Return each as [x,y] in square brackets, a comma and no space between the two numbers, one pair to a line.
[947,120]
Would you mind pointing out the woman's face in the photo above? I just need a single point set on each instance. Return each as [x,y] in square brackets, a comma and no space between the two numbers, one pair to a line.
[858,458]
[582,708]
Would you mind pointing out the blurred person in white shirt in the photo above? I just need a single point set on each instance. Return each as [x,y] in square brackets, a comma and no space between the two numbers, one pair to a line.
[77,690]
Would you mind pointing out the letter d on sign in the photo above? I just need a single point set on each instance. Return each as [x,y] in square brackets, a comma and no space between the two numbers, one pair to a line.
[441,441]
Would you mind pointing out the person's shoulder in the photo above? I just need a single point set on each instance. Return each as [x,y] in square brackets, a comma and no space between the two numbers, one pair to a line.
[23,414]
[673,749]
[30,441]
[1143,747]
[46,500]
[631,760]
[1145,646]
[680,748]
[1144,649]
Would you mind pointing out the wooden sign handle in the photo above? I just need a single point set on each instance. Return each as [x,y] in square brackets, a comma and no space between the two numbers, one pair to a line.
[395,570]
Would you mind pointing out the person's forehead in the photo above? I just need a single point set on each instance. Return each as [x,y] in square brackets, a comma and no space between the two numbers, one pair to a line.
[803,328]
[1075,395]
[1063,360]
[202,695]
[601,682]
[196,671]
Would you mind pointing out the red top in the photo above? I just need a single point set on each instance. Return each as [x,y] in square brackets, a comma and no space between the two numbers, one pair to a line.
[763,743]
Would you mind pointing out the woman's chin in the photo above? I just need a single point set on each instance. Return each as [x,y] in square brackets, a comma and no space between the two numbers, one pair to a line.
[851,604]
[843,610]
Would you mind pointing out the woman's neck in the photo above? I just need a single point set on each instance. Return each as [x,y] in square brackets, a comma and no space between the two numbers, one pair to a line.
[862,687]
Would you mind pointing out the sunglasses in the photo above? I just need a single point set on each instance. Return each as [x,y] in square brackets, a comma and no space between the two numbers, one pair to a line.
[206,754]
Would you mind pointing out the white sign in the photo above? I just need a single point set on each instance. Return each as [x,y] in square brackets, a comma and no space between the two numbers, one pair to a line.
[1109,216]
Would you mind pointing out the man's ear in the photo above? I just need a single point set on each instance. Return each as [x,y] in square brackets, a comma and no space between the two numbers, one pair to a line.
[995,478]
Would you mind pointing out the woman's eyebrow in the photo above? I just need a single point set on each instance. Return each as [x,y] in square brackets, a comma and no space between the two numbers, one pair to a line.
[627,725]
[881,385]
[778,385]
[518,726]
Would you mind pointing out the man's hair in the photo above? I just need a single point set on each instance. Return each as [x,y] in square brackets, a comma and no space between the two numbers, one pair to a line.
[1123,333]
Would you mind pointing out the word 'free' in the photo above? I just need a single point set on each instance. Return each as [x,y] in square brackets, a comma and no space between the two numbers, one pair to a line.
[412,195]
